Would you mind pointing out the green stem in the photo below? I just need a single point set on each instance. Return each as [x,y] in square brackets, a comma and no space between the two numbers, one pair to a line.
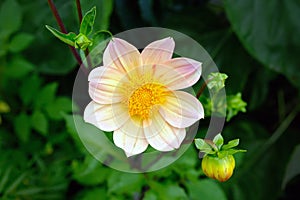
[275,136]
[202,88]
[64,30]
[86,52]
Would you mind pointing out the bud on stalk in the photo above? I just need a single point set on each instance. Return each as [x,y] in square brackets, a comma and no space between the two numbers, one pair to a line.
[218,162]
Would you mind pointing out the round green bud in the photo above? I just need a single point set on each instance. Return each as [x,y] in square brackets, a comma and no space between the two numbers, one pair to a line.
[217,168]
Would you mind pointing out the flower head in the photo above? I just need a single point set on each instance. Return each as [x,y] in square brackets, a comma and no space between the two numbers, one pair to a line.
[137,96]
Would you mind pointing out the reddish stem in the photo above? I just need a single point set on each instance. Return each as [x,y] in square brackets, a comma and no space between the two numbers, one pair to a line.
[79,10]
[64,30]
[201,89]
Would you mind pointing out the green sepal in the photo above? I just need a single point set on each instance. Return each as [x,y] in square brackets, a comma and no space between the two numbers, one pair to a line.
[82,41]
[66,38]
[224,153]
[204,146]
[231,144]
[216,81]
[235,104]
[218,141]
[87,23]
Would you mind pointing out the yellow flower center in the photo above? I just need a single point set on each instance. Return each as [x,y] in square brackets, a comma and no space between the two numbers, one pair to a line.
[144,98]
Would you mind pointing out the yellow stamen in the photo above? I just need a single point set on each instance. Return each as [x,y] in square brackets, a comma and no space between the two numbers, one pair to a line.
[144,98]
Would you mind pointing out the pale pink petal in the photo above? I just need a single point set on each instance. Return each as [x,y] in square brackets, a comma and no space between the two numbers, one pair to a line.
[181,109]
[158,51]
[121,55]
[161,135]
[130,137]
[182,73]
[106,117]
[105,85]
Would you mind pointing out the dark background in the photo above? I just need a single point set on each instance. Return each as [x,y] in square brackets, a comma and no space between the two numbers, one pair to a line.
[255,42]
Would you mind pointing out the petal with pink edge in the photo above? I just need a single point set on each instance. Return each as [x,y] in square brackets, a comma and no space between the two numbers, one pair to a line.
[121,55]
[182,73]
[181,109]
[106,117]
[105,86]
[133,143]
[158,51]
[161,135]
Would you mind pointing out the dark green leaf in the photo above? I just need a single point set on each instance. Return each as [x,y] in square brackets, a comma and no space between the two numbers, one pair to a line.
[71,128]
[125,183]
[168,191]
[22,127]
[271,37]
[205,189]
[29,89]
[87,22]
[147,13]
[39,122]
[20,42]
[66,38]
[173,191]
[292,168]
[58,106]
[94,139]
[46,96]
[19,67]
[150,195]
[10,17]
[90,172]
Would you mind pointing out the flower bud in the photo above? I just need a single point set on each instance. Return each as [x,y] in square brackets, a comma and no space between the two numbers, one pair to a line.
[82,42]
[217,168]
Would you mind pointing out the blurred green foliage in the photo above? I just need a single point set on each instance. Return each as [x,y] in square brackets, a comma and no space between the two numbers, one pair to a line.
[256,43]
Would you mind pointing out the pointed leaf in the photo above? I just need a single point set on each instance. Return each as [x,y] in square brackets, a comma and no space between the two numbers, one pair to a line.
[87,23]
[20,42]
[231,144]
[292,168]
[218,140]
[18,68]
[46,95]
[39,122]
[10,16]
[205,189]
[22,127]
[66,38]
[203,146]
[222,154]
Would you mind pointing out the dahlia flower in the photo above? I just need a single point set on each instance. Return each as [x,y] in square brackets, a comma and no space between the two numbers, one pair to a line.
[138,96]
